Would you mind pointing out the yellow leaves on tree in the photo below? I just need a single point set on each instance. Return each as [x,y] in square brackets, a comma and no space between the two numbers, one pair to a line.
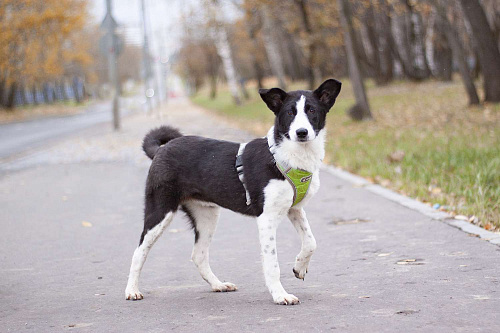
[40,40]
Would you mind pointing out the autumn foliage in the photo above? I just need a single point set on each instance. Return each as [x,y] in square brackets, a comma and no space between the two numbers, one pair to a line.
[41,42]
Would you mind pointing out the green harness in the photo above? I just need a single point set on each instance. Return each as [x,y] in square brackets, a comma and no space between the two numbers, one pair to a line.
[300,181]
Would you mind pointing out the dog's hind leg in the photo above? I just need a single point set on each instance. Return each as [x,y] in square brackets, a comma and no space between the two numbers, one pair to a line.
[204,217]
[159,213]
[299,221]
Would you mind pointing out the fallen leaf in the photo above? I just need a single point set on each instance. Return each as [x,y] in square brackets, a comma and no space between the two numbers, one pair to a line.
[436,190]
[364,297]
[351,221]
[80,325]
[461,217]
[407,312]
[273,319]
[385,182]
[396,156]
[385,254]
[480,297]
[410,262]
[86,224]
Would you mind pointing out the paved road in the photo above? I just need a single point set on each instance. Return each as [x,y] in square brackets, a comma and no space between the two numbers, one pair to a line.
[16,138]
[399,271]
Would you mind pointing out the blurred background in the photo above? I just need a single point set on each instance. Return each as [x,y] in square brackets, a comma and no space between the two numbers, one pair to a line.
[419,111]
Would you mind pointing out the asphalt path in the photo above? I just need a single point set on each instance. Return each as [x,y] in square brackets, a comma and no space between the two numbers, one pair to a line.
[71,223]
[19,137]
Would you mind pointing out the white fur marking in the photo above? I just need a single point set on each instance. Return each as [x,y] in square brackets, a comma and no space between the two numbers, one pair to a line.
[299,221]
[140,254]
[206,217]
[301,121]
[278,194]
[304,155]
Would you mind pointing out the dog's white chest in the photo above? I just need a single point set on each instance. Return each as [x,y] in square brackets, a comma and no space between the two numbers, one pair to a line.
[279,194]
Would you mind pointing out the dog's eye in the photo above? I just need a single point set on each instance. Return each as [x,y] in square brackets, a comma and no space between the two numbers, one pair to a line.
[311,111]
[290,112]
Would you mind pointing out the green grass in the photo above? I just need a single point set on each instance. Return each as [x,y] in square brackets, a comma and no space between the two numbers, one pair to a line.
[451,151]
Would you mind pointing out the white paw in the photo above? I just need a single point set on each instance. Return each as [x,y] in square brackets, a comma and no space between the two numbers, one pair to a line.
[224,286]
[133,294]
[286,299]
[300,269]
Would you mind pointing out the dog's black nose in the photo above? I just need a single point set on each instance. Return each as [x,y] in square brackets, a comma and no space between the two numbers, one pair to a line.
[301,133]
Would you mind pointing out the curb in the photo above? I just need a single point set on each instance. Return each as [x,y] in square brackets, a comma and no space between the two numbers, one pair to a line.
[413,204]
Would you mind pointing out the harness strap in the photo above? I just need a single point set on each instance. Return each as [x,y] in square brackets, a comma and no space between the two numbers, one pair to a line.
[299,179]
[239,170]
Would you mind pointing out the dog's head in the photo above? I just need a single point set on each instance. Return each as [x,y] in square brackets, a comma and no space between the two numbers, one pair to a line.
[301,114]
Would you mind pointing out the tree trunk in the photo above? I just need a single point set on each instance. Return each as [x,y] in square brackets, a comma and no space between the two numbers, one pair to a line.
[2,92]
[441,50]
[213,86]
[373,40]
[383,23]
[362,108]
[310,44]
[10,100]
[292,56]
[418,44]
[243,89]
[45,92]
[224,50]
[252,34]
[34,92]
[259,73]
[271,46]
[459,53]
[409,38]
[64,92]
[489,55]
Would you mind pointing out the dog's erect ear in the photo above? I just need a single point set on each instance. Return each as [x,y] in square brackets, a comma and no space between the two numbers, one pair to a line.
[274,98]
[328,91]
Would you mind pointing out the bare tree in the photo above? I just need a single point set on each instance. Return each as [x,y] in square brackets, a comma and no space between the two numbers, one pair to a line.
[361,110]
[271,45]
[458,52]
[252,26]
[223,48]
[489,55]
[311,47]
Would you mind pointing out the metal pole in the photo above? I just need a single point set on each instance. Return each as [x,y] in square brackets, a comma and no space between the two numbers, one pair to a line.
[145,56]
[113,68]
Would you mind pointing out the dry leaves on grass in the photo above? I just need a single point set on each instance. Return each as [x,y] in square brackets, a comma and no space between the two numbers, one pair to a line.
[396,156]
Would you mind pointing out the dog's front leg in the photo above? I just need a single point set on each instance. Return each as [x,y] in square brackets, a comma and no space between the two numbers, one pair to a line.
[299,221]
[267,235]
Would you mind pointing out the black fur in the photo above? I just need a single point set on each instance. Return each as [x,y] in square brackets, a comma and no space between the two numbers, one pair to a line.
[158,137]
[192,167]
[192,221]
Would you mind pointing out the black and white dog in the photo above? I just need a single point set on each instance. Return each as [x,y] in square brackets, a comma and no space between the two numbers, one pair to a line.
[198,175]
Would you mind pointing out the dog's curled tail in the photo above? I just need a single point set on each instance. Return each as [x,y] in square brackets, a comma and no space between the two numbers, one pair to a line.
[158,137]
